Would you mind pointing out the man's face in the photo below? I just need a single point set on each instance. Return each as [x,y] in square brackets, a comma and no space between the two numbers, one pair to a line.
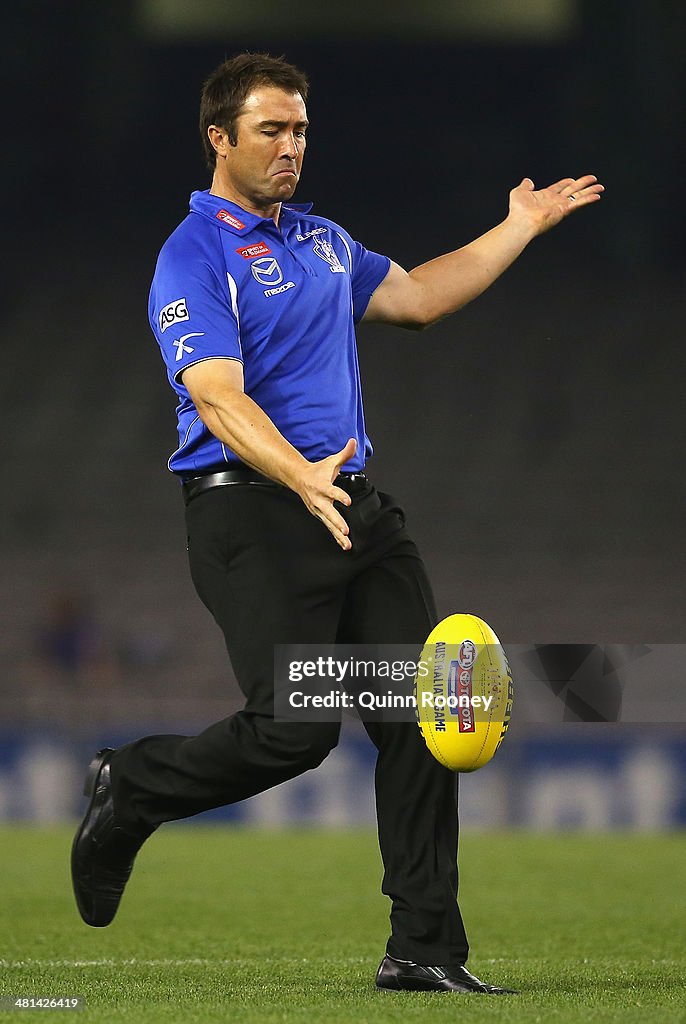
[264,165]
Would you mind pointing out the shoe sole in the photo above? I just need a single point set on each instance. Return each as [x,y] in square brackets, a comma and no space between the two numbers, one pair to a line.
[443,992]
[439,991]
[428,991]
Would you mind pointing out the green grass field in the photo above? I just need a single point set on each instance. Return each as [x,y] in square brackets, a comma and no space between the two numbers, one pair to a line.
[222,924]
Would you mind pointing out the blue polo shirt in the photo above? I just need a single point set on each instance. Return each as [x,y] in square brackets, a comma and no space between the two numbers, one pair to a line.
[281,300]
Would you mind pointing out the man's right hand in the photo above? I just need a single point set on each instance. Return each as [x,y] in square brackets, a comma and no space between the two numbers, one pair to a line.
[216,387]
[316,488]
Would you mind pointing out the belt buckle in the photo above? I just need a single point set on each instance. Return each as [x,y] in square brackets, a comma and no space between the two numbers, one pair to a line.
[354,478]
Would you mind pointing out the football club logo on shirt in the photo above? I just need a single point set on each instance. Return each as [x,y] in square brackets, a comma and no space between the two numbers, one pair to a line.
[325,250]
[267,271]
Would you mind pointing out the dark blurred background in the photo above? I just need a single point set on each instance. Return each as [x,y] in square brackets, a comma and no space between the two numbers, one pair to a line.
[535,438]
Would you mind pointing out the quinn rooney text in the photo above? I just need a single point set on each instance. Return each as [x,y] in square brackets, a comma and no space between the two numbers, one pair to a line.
[376,701]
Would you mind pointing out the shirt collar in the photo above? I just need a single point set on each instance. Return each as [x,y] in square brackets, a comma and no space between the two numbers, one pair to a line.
[233,218]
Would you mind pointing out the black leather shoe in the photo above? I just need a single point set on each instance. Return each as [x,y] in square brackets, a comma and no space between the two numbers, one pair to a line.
[103,853]
[404,975]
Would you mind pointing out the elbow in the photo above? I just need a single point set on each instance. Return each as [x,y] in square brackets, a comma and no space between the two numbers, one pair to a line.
[212,408]
[204,403]
[422,312]
[425,311]
[412,325]
[209,401]
[208,415]
[422,321]
[206,412]
[418,319]
[428,318]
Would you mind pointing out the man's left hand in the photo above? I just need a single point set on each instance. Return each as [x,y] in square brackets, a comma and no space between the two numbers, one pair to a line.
[546,207]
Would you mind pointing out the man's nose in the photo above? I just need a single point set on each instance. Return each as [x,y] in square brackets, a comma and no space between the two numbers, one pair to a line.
[289,146]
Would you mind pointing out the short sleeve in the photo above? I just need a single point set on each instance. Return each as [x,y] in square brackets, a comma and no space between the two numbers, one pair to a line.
[193,309]
[368,269]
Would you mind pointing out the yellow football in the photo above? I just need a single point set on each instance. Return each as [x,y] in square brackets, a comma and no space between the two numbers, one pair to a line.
[464,691]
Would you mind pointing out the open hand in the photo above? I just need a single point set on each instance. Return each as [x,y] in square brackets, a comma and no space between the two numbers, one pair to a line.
[548,206]
[318,492]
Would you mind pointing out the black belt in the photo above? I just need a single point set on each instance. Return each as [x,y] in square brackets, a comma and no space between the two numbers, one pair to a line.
[195,485]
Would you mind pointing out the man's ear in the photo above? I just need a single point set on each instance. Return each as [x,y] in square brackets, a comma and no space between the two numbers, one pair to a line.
[219,140]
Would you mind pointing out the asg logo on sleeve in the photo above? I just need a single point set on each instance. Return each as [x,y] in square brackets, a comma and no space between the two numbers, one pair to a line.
[174,313]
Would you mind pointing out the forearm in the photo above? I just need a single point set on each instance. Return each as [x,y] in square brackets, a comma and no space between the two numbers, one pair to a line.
[449,282]
[236,420]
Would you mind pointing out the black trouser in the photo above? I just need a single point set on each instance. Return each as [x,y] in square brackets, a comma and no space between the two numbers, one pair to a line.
[271,573]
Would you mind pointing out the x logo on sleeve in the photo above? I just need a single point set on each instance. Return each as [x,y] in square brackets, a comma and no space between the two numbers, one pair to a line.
[181,347]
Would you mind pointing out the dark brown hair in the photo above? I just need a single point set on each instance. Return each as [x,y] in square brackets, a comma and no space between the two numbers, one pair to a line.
[229,85]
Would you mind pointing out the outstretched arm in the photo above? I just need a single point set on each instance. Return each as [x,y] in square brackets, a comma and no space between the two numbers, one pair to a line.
[445,284]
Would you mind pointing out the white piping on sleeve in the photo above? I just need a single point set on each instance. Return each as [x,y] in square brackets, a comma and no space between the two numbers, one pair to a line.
[347,249]
[233,290]
[203,359]
[183,443]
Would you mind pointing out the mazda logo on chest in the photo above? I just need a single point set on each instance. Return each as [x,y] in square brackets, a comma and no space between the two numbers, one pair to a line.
[266,271]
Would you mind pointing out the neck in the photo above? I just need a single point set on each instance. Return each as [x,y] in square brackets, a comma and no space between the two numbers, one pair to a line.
[267,208]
